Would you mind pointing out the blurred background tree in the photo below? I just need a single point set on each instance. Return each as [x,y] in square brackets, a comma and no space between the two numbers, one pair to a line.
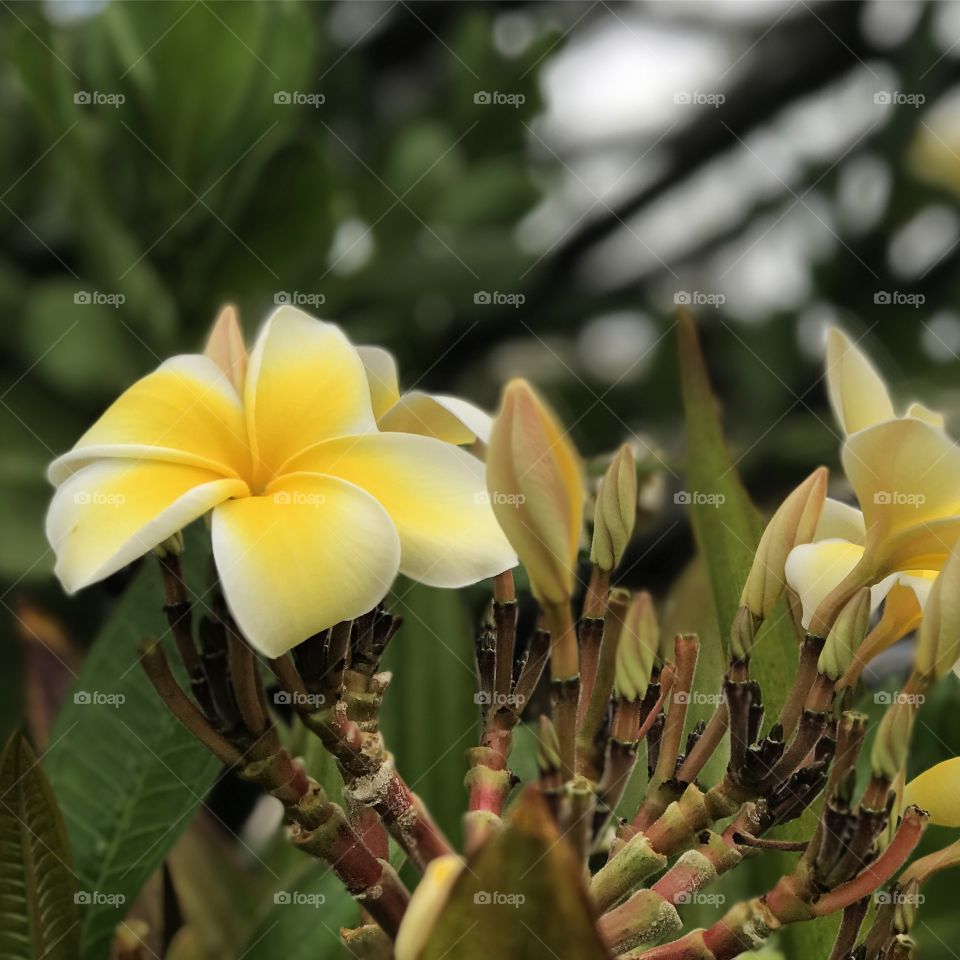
[487,189]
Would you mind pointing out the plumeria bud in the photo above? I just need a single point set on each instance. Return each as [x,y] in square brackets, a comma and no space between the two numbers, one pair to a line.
[637,648]
[616,511]
[426,905]
[794,523]
[226,348]
[742,633]
[845,636]
[536,489]
[889,754]
[938,643]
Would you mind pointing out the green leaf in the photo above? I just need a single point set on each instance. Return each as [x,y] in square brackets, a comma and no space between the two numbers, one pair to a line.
[430,716]
[726,524]
[727,528]
[127,775]
[38,916]
[521,896]
[305,918]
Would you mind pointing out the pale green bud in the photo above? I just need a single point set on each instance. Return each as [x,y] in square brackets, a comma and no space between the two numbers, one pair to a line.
[845,636]
[795,522]
[637,649]
[616,511]
[938,643]
[889,754]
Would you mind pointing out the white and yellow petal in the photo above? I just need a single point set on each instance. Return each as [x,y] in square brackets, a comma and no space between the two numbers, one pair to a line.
[924,546]
[920,412]
[937,791]
[814,570]
[905,475]
[382,377]
[857,392]
[436,496]
[186,412]
[305,384]
[308,553]
[435,415]
[109,513]
[839,520]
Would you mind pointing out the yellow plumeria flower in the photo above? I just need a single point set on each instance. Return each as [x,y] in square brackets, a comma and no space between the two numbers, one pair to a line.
[314,510]
[904,472]
[431,414]
[937,790]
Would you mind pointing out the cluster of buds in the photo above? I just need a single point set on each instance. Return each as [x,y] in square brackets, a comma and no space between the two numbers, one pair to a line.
[621,689]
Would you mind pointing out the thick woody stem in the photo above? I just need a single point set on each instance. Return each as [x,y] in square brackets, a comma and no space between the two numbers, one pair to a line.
[534,662]
[881,870]
[621,753]
[792,708]
[705,746]
[374,782]
[155,664]
[179,614]
[589,752]
[246,683]
[591,638]
[794,898]
[321,827]
[659,791]
[596,597]
[813,722]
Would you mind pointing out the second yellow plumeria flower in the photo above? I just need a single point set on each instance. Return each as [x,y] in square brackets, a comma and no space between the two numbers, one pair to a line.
[314,510]
[904,473]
